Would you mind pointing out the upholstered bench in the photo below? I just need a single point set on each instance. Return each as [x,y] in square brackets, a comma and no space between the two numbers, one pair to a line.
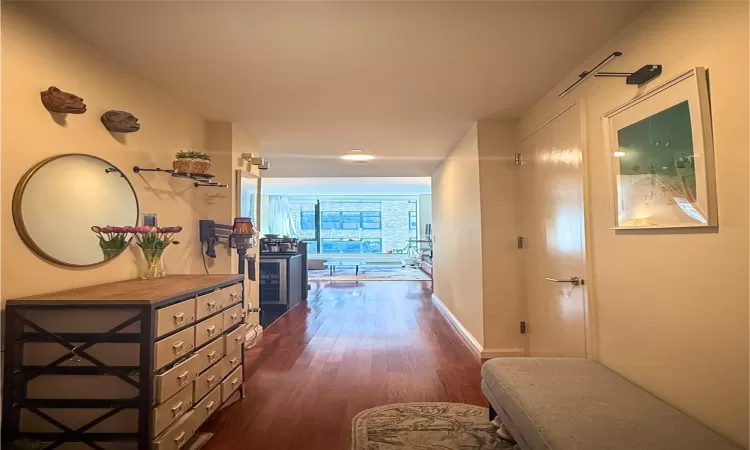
[566,403]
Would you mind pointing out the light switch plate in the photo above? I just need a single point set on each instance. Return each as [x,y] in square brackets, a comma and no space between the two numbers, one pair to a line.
[150,220]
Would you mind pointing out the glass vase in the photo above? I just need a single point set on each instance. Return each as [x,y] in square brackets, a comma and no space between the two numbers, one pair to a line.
[153,266]
[110,253]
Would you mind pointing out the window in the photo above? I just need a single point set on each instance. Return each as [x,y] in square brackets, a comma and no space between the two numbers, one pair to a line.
[352,246]
[307,220]
[350,220]
[370,220]
[312,246]
[350,224]
[330,220]
[412,220]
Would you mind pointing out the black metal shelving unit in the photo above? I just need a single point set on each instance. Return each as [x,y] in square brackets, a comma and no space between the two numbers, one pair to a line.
[17,376]
[201,179]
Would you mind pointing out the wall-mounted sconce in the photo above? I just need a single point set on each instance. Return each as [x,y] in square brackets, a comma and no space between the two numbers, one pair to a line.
[639,77]
[256,161]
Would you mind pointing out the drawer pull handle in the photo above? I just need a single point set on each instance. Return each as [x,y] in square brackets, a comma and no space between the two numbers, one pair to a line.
[234,317]
[233,361]
[210,406]
[177,409]
[211,356]
[238,339]
[183,377]
[211,330]
[210,380]
[180,440]
[234,294]
[179,318]
[235,381]
[211,305]
[178,347]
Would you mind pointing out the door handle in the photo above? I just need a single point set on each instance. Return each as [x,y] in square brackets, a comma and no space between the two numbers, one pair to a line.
[575,281]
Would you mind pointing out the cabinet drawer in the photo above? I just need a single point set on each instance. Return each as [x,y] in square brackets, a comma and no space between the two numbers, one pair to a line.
[230,362]
[208,329]
[173,347]
[210,354]
[217,300]
[207,406]
[207,381]
[232,316]
[172,409]
[231,384]
[176,378]
[178,434]
[111,354]
[175,316]
[234,340]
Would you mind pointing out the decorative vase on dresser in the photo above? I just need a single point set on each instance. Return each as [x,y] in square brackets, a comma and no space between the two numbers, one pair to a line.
[141,362]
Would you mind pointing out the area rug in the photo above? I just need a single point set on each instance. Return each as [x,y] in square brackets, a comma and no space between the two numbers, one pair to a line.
[425,426]
[395,273]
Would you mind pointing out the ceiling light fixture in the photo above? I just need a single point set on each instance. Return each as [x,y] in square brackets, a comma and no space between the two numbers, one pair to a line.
[356,155]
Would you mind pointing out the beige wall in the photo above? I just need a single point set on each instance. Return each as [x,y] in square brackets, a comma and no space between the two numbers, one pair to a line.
[671,308]
[226,142]
[218,201]
[34,56]
[503,305]
[458,234]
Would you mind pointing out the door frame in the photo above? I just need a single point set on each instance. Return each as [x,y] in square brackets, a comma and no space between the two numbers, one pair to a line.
[250,289]
[589,303]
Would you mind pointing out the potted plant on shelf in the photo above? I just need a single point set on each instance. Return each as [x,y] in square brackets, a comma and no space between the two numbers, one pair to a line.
[112,240]
[188,161]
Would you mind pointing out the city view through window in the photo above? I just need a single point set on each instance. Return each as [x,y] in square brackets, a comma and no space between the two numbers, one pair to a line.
[354,224]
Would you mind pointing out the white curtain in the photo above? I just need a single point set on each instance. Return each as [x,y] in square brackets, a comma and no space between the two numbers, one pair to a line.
[277,217]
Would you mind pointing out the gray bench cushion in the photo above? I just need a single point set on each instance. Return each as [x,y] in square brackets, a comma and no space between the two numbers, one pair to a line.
[566,403]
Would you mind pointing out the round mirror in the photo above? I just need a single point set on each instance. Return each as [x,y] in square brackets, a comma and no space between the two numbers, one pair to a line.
[59,200]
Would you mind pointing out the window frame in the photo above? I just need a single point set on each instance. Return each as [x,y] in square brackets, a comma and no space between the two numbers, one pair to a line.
[413,215]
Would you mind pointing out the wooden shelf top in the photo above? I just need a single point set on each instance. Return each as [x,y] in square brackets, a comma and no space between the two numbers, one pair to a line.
[133,291]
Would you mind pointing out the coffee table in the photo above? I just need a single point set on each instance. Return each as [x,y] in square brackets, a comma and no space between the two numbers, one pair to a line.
[343,263]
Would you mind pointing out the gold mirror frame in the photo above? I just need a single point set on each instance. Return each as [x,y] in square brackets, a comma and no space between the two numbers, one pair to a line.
[18,216]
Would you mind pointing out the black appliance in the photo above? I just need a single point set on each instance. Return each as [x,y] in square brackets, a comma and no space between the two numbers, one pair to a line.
[283,276]
[279,245]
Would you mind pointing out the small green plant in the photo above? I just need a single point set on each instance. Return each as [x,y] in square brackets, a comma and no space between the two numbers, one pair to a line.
[189,154]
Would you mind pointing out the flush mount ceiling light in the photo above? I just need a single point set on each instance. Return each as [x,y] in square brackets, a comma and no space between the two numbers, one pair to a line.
[356,155]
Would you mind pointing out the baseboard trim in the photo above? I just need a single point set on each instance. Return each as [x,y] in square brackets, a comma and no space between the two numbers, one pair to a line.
[502,353]
[471,341]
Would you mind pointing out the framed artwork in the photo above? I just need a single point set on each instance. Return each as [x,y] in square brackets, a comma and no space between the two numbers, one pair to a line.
[661,157]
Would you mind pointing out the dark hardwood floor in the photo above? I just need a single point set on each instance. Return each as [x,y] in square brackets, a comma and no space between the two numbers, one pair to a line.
[351,347]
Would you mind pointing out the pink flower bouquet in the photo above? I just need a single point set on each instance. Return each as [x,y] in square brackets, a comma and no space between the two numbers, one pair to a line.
[153,241]
[112,240]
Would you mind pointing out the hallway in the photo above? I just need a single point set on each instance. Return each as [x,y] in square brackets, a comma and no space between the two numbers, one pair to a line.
[352,347]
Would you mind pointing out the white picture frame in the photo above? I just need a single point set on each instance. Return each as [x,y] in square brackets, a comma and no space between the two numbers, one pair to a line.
[653,186]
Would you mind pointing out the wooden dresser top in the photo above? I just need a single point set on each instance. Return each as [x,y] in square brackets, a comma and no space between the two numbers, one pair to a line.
[133,291]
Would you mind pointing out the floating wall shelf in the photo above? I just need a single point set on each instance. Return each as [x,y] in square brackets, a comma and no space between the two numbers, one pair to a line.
[201,179]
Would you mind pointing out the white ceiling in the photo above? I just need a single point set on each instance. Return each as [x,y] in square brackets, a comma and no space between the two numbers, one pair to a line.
[310,80]
[347,186]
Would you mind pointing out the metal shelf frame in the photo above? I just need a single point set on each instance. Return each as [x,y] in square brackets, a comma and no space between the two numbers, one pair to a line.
[17,376]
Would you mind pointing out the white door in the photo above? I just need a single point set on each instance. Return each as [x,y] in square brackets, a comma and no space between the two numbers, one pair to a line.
[553,227]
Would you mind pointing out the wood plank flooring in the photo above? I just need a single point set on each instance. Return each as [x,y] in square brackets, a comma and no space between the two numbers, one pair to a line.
[354,345]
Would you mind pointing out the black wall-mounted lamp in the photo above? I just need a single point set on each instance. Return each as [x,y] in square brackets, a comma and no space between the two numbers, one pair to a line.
[639,77]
